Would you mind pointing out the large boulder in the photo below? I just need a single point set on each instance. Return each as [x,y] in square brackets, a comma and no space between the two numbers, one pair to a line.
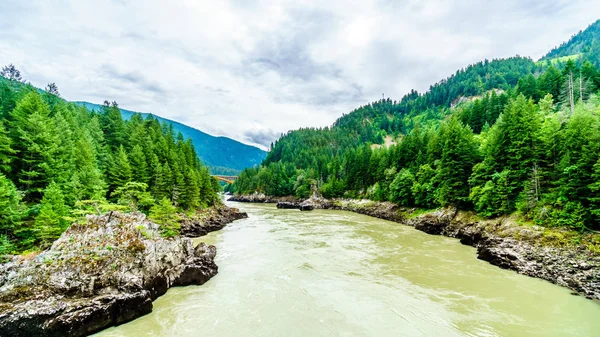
[288,205]
[307,206]
[101,273]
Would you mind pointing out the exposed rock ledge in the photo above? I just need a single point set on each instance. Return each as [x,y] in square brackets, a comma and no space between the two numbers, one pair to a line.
[303,206]
[525,250]
[96,275]
[210,220]
[261,198]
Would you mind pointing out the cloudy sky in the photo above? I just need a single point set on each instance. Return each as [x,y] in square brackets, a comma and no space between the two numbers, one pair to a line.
[252,70]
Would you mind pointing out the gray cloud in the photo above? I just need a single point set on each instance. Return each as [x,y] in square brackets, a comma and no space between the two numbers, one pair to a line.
[253,70]
[133,77]
[262,137]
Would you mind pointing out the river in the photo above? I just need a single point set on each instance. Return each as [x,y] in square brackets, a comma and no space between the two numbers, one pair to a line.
[336,273]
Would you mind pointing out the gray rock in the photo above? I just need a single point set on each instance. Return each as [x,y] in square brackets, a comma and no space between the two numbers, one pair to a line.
[288,205]
[307,206]
[213,219]
[96,275]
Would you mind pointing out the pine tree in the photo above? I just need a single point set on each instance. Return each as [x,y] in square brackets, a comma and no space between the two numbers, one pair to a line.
[191,191]
[50,222]
[579,152]
[97,139]
[37,143]
[7,100]
[88,184]
[11,73]
[6,152]
[10,210]
[165,214]
[113,125]
[63,160]
[139,167]
[133,195]
[459,154]
[423,189]
[52,96]
[594,198]
[119,172]
[511,148]
[551,82]
[401,188]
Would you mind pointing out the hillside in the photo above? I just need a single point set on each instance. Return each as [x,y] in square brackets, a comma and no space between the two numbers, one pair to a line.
[498,137]
[586,44]
[372,122]
[221,154]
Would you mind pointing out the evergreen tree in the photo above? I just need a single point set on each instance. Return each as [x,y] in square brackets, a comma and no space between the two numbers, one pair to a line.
[51,222]
[191,191]
[37,143]
[594,187]
[510,149]
[423,189]
[401,188]
[459,154]
[7,100]
[133,195]
[10,210]
[11,73]
[113,125]
[139,166]
[6,152]
[119,172]
[165,214]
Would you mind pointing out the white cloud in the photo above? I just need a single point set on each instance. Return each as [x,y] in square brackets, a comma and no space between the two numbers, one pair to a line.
[251,71]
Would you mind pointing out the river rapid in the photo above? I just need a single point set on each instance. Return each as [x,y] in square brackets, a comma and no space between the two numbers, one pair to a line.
[336,273]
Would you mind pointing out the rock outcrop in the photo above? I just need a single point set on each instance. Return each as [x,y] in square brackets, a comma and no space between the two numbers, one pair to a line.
[101,273]
[212,219]
[288,205]
[307,206]
[256,198]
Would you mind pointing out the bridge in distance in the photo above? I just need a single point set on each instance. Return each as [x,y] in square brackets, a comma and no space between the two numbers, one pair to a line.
[227,179]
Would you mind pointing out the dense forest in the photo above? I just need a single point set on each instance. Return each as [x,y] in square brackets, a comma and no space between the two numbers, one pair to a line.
[584,44]
[498,137]
[59,161]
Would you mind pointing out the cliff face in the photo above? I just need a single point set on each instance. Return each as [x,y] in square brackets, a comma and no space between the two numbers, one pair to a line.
[104,272]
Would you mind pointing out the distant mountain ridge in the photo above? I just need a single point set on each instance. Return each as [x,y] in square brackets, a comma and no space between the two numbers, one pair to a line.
[584,44]
[221,154]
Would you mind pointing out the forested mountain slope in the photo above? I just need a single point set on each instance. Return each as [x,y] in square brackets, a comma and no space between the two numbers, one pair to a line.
[498,137]
[371,123]
[585,44]
[221,154]
[59,160]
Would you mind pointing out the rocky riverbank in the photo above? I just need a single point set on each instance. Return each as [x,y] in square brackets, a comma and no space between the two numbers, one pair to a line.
[104,272]
[209,220]
[530,250]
